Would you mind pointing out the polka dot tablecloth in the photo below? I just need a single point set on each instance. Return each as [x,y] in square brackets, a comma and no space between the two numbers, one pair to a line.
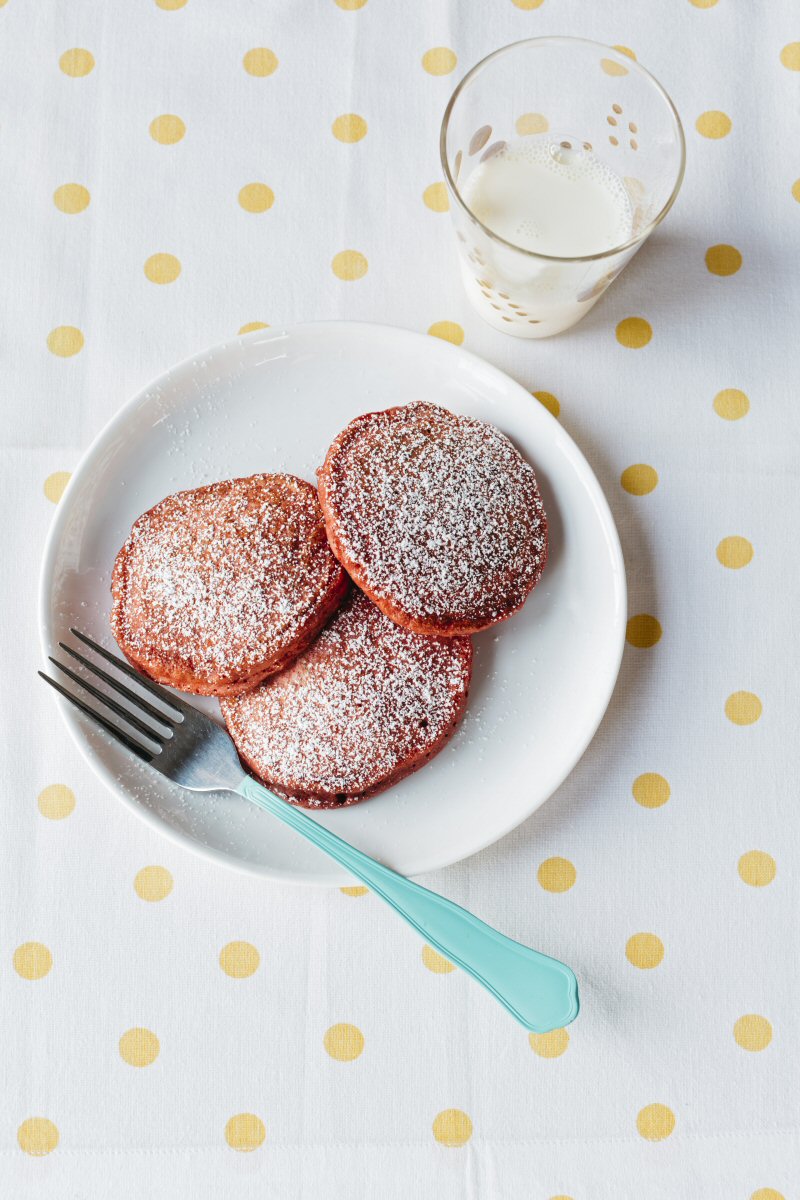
[178,171]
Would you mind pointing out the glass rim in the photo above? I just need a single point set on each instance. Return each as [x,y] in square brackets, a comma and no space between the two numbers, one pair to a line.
[452,184]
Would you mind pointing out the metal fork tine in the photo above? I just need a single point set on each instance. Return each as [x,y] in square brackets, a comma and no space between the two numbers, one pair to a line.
[125,713]
[139,701]
[127,669]
[109,728]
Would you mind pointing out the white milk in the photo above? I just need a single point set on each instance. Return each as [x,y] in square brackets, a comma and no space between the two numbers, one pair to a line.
[557,201]
[568,207]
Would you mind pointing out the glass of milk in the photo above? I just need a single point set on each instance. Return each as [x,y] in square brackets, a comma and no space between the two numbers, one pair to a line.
[561,157]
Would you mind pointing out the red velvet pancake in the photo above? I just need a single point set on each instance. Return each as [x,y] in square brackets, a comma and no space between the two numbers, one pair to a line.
[368,703]
[437,517]
[219,587]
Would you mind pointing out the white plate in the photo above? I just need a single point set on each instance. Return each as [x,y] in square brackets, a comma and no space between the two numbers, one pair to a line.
[273,401]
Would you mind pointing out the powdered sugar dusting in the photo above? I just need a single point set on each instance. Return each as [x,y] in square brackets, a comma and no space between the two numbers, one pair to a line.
[368,702]
[216,585]
[435,513]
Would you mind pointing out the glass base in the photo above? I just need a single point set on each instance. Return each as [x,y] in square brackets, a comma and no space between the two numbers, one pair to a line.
[552,318]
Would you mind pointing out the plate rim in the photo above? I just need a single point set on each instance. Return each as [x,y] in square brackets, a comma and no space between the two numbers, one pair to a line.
[118,419]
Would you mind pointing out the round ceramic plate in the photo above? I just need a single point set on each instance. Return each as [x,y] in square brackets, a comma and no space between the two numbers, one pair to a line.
[273,401]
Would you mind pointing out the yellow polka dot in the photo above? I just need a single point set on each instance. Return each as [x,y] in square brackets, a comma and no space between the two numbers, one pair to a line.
[527,5]
[167,129]
[644,950]
[643,631]
[245,1131]
[713,124]
[556,874]
[531,123]
[54,487]
[344,1042]
[734,552]
[753,1032]
[723,260]
[790,56]
[757,868]
[448,331]
[71,198]
[435,198]
[439,61]
[731,404]
[613,68]
[767,1194]
[32,960]
[655,1122]
[796,190]
[350,127]
[743,708]
[703,3]
[256,198]
[162,268]
[651,790]
[76,62]
[626,50]
[436,962]
[37,1136]
[452,1127]
[139,1047]
[349,265]
[549,1045]
[153,883]
[171,5]
[239,959]
[354,891]
[639,479]
[260,61]
[65,340]
[252,326]
[351,5]
[56,801]
[634,332]
[549,401]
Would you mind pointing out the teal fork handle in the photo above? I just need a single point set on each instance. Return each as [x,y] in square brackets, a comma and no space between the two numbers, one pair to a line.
[539,992]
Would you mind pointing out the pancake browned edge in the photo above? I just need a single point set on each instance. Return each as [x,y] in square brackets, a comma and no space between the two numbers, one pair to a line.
[437,517]
[368,703]
[218,587]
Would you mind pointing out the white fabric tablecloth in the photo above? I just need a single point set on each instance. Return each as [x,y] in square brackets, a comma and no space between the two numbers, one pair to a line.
[709,1034]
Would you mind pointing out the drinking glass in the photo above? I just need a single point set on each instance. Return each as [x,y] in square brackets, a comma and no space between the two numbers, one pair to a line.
[579,97]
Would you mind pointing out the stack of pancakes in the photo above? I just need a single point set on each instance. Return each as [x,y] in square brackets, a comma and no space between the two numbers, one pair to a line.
[332,692]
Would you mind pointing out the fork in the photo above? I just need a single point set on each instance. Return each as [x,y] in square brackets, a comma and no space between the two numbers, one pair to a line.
[189,748]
